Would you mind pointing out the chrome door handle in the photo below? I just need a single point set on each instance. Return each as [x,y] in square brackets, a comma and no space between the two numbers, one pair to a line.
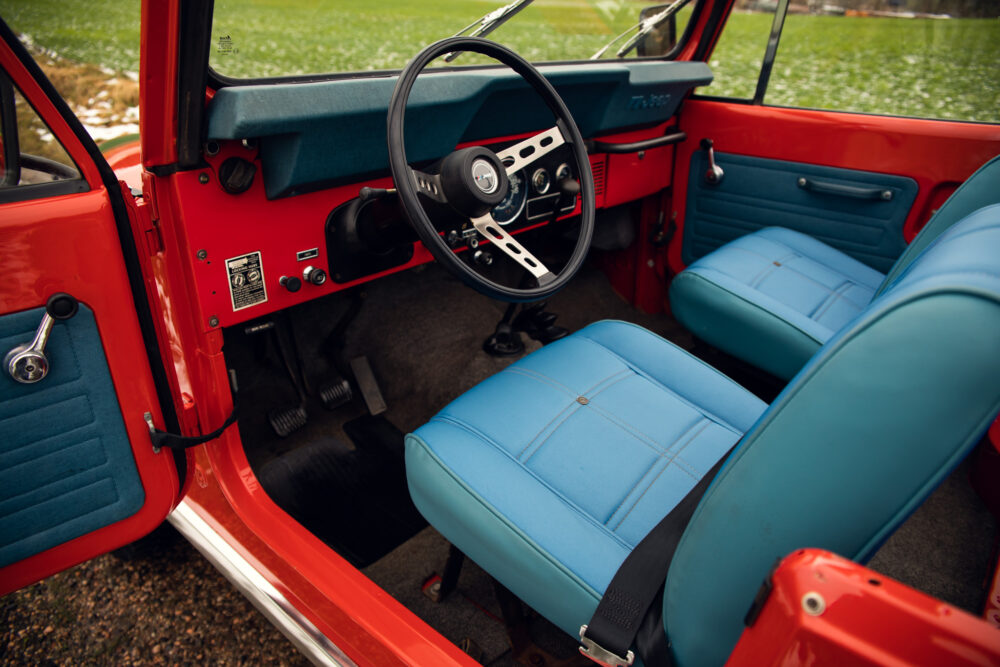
[27,363]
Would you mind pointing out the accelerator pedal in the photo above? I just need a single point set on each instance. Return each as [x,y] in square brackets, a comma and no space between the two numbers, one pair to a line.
[365,379]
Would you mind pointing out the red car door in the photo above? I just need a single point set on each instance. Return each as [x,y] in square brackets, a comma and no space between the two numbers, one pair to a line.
[78,473]
[837,125]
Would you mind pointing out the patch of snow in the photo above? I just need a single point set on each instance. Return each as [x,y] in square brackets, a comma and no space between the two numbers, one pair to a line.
[102,133]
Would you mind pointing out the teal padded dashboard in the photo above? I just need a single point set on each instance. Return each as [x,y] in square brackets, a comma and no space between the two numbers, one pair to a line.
[66,465]
[313,135]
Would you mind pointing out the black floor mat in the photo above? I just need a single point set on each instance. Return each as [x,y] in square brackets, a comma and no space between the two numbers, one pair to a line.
[353,498]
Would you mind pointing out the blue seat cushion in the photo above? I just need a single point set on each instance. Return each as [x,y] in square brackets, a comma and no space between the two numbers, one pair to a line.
[548,473]
[772,298]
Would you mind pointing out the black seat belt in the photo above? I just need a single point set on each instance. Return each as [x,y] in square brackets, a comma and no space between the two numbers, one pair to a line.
[607,639]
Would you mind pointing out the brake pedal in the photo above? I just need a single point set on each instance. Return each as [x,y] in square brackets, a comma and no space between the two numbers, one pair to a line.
[335,393]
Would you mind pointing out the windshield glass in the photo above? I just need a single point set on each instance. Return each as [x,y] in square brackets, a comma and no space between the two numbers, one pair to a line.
[268,39]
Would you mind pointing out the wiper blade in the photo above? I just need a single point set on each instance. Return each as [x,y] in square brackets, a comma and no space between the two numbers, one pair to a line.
[644,26]
[489,23]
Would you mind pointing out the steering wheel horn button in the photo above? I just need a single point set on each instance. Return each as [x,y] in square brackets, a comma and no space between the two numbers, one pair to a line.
[484,175]
[473,180]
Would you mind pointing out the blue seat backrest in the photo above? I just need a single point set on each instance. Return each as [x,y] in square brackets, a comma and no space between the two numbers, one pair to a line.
[856,441]
[979,190]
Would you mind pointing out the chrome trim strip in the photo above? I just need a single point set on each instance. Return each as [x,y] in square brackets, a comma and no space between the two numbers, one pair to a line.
[313,644]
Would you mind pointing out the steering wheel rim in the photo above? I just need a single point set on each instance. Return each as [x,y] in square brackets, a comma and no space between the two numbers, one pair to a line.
[407,187]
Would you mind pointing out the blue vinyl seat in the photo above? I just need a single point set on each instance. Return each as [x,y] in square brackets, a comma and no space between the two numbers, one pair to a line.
[773,297]
[548,473]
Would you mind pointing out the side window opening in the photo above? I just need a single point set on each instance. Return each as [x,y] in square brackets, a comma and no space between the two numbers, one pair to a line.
[916,58]
[31,153]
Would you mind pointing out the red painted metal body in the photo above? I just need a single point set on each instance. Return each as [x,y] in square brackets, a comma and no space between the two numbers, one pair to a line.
[179,215]
[862,618]
[70,244]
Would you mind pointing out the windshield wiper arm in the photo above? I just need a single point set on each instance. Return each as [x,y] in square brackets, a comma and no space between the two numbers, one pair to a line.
[489,23]
[644,26]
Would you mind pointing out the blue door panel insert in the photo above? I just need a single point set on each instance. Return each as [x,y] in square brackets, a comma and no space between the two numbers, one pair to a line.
[757,192]
[66,464]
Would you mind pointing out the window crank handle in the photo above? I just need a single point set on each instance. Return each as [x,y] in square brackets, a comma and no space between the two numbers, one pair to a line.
[27,363]
[714,174]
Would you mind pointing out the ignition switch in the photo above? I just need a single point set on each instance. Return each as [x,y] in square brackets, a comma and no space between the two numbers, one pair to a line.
[314,275]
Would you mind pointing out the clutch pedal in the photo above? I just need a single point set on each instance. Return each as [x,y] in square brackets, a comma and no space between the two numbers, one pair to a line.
[288,419]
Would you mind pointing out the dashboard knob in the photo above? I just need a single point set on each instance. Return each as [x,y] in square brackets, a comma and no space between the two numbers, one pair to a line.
[292,284]
[482,258]
[314,275]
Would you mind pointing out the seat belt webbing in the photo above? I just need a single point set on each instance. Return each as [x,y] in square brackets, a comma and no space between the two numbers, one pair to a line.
[608,636]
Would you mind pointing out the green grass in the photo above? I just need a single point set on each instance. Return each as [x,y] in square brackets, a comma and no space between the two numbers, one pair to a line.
[906,67]
[909,67]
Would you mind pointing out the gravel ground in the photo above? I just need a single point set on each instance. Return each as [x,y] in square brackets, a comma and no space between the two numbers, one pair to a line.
[172,608]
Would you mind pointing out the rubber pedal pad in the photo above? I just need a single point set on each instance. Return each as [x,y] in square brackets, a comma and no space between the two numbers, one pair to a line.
[286,420]
[335,393]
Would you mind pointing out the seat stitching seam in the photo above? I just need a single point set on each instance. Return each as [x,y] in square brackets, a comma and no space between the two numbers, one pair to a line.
[559,495]
[840,296]
[752,304]
[541,377]
[608,382]
[660,474]
[816,260]
[549,436]
[547,425]
[631,429]
[830,298]
[626,373]
[710,415]
[659,458]
[769,269]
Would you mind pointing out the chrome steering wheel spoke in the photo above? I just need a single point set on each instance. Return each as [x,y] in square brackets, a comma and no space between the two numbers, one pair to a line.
[523,153]
[490,229]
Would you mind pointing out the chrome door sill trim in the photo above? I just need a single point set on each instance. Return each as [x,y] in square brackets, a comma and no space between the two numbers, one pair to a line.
[313,644]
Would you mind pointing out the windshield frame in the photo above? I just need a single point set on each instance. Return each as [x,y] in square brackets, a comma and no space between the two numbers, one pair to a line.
[217,80]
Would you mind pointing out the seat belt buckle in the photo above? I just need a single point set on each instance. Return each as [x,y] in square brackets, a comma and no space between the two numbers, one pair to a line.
[601,655]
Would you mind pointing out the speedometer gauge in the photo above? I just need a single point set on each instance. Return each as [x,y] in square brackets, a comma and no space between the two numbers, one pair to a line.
[511,206]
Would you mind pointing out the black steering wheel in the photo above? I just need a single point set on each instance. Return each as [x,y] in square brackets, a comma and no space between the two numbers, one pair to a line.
[474,180]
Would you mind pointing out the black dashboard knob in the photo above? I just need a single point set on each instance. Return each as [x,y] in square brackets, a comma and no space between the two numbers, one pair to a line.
[292,284]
